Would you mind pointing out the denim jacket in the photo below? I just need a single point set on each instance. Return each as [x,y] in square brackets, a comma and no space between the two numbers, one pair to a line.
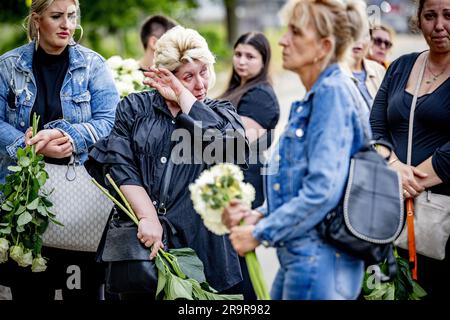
[88,99]
[312,159]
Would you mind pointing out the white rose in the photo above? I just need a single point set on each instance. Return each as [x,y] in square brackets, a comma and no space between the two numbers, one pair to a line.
[27,258]
[130,65]
[137,76]
[4,247]
[16,252]
[248,193]
[39,264]
[205,178]
[127,78]
[114,63]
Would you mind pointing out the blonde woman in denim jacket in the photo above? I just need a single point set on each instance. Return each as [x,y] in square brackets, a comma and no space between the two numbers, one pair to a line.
[306,177]
[71,89]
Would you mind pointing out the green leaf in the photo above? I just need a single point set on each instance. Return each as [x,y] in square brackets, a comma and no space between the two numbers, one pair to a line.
[42,210]
[216,296]
[418,290]
[24,162]
[162,274]
[177,288]
[33,205]
[6,230]
[20,229]
[20,210]
[24,218]
[378,292]
[20,153]
[15,168]
[7,207]
[390,292]
[189,263]
[41,178]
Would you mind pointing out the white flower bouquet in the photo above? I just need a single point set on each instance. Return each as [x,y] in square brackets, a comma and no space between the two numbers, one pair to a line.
[127,76]
[25,209]
[211,193]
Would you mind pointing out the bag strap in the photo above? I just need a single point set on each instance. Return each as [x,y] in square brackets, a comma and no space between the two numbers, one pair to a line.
[164,195]
[409,202]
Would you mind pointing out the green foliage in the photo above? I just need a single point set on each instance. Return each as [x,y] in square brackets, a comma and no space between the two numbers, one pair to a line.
[181,276]
[13,10]
[402,287]
[26,210]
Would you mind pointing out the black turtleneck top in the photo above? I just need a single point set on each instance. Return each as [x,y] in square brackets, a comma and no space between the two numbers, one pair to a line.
[49,71]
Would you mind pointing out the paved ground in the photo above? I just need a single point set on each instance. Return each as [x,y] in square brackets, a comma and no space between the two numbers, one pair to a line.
[289,88]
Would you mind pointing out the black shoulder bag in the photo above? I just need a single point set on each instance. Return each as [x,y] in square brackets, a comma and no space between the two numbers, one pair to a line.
[370,214]
[129,269]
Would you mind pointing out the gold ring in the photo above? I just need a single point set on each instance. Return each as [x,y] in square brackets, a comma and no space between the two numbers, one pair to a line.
[404,192]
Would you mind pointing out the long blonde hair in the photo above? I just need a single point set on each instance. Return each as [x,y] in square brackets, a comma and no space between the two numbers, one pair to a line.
[39,7]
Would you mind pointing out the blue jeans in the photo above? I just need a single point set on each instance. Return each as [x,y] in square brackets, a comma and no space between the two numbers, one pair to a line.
[317,271]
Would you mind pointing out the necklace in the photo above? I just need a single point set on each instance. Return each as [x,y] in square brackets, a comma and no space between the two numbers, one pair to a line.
[435,76]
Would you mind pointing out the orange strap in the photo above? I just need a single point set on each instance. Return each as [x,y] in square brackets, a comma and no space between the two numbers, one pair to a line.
[411,237]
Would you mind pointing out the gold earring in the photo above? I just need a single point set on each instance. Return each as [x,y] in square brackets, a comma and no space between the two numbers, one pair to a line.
[37,39]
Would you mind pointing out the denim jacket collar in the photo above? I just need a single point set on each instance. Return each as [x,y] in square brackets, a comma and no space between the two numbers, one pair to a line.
[25,61]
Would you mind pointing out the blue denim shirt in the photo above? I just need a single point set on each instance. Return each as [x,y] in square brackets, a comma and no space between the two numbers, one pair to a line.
[88,99]
[312,159]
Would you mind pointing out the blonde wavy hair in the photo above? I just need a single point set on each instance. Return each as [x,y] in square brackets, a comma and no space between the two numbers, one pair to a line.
[181,45]
[343,21]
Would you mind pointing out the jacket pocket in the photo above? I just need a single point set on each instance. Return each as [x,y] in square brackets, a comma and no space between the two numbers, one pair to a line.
[82,106]
[294,144]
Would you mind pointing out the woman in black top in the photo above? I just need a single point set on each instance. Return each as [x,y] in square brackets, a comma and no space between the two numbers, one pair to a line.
[250,91]
[71,89]
[430,163]
[147,128]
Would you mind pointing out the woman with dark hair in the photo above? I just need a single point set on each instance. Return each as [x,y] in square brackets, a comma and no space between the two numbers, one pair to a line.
[430,157]
[251,92]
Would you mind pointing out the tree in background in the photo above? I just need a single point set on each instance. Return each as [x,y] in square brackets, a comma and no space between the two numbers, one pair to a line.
[101,18]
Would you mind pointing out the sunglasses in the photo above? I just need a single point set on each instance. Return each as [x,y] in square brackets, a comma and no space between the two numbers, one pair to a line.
[378,42]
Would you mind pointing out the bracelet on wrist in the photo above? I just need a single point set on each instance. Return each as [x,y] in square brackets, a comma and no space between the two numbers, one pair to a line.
[392,161]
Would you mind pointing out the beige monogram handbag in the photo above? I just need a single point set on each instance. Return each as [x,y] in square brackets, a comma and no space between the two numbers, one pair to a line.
[78,204]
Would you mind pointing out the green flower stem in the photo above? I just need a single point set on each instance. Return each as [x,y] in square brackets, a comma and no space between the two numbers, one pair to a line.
[256,274]
[252,273]
[131,215]
[257,279]
[125,201]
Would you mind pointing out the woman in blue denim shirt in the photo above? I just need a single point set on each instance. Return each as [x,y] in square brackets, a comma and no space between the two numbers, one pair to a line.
[306,177]
[71,89]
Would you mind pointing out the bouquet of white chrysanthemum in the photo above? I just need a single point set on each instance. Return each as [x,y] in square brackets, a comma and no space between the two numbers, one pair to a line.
[211,193]
[127,76]
[214,190]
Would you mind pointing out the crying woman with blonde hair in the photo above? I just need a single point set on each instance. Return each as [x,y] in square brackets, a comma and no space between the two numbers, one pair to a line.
[145,140]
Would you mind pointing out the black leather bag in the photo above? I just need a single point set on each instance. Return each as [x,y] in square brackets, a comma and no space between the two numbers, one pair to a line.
[129,269]
[370,215]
